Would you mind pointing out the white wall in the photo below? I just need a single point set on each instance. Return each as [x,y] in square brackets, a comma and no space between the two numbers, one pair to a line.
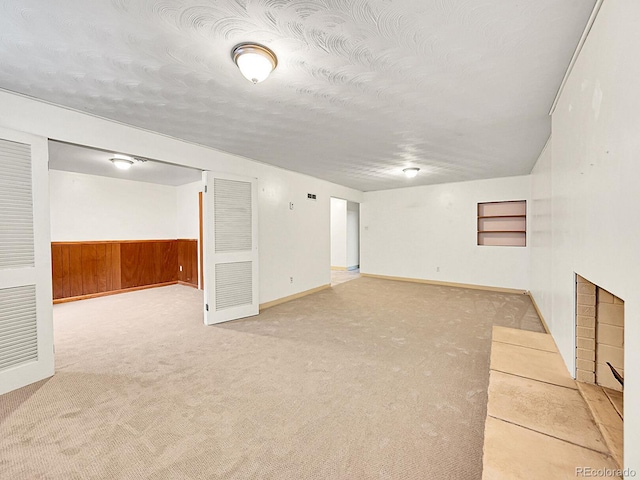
[591,183]
[353,235]
[88,207]
[188,210]
[411,232]
[540,215]
[293,243]
[338,233]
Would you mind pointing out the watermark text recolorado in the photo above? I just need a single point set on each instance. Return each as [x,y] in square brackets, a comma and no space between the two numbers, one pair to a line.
[588,472]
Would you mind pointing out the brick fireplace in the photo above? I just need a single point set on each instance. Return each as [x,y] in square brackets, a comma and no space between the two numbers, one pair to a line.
[599,335]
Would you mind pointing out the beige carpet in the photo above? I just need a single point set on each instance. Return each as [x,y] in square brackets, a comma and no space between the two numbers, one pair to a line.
[370,379]
[341,276]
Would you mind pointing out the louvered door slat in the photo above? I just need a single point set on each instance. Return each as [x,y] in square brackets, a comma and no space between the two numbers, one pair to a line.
[18,326]
[233,216]
[20,358]
[16,206]
[18,337]
[233,285]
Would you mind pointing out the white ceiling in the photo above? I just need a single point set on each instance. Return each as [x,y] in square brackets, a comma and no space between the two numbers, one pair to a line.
[363,88]
[74,158]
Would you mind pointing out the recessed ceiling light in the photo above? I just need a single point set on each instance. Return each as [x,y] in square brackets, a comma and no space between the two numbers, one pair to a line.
[411,172]
[256,62]
[122,162]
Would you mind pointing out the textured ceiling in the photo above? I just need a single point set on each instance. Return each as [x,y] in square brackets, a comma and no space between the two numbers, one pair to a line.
[363,88]
[74,158]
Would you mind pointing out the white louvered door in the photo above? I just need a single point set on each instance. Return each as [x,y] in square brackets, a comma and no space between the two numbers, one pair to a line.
[230,220]
[26,333]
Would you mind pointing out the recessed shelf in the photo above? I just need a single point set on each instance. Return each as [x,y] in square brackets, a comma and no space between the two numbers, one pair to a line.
[502,223]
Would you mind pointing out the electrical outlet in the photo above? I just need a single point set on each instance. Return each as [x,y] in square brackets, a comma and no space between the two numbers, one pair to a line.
[437,269]
[290,279]
[290,205]
[180,267]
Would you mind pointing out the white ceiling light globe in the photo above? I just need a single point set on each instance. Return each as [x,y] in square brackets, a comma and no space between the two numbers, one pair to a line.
[254,61]
[254,67]
[122,163]
[411,172]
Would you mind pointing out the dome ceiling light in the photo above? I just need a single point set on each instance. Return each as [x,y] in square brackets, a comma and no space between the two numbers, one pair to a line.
[123,162]
[256,62]
[411,172]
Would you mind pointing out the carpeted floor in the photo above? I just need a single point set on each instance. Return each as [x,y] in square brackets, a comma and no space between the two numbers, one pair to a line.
[370,379]
[341,276]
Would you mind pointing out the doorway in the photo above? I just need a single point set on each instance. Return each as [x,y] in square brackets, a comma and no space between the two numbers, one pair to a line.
[345,240]
[115,230]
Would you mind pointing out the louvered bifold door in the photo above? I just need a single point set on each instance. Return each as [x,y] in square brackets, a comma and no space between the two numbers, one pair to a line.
[230,247]
[26,340]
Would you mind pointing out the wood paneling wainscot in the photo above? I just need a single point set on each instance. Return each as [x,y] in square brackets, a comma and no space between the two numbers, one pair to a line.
[89,269]
[188,260]
[148,263]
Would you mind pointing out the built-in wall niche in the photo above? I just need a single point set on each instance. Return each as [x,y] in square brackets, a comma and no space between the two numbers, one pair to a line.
[503,224]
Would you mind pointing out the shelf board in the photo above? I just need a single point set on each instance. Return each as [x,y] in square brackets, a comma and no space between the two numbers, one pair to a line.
[501,245]
[502,231]
[502,216]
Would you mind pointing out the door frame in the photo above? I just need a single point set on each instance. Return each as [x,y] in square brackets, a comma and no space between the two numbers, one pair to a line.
[201,241]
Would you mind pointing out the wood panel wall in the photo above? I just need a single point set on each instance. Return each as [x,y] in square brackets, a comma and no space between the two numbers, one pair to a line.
[188,259]
[149,263]
[84,269]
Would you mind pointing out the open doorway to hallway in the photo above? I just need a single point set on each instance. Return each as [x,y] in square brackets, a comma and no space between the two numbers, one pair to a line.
[345,240]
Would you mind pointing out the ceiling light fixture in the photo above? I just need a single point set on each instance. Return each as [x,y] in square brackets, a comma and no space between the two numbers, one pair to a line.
[255,61]
[411,172]
[122,162]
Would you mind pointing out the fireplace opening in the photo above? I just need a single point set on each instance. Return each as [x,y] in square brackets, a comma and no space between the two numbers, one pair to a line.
[599,336]
[600,359]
